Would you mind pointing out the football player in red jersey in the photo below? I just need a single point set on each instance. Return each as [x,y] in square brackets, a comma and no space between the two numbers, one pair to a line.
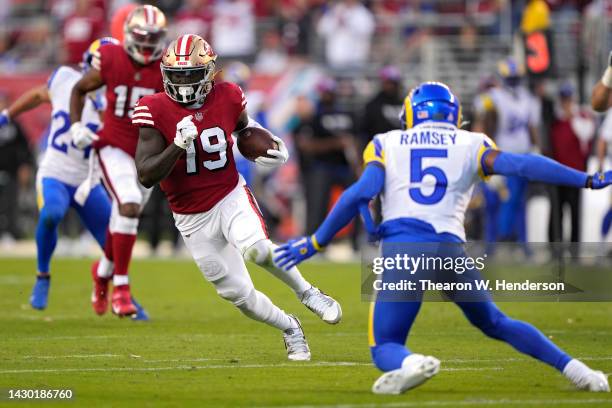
[185,143]
[129,72]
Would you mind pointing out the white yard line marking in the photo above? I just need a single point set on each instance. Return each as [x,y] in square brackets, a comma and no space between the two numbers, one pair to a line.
[453,403]
[75,356]
[221,366]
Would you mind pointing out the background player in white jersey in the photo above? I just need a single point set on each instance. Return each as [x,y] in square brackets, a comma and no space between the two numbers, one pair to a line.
[511,119]
[426,175]
[601,97]
[64,168]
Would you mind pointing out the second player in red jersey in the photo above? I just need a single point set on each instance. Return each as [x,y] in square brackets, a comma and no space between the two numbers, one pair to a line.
[129,72]
[206,172]
[185,143]
[126,82]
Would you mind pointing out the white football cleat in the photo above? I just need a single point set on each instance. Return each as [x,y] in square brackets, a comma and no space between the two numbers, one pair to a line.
[322,305]
[295,342]
[415,370]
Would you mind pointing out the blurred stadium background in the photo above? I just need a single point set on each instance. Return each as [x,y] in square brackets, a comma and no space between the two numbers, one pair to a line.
[316,70]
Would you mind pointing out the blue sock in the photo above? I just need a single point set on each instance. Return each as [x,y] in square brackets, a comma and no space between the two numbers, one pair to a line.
[46,234]
[605,225]
[54,200]
[522,336]
[389,356]
[390,325]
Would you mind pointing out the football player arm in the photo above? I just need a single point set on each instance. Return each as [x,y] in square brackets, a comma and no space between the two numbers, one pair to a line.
[346,208]
[91,81]
[540,169]
[369,185]
[601,97]
[28,101]
[602,147]
[154,160]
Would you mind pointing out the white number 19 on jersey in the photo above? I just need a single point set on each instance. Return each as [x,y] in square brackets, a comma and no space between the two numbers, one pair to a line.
[207,138]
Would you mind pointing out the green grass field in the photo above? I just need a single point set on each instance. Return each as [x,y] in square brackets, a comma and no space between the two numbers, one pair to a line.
[198,350]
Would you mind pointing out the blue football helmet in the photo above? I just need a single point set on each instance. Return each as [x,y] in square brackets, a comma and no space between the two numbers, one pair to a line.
[431,101]
[510,71]
[93,48]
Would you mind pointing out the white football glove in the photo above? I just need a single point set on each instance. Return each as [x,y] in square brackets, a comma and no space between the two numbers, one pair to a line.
[82,136]
[186,132]
[279,158]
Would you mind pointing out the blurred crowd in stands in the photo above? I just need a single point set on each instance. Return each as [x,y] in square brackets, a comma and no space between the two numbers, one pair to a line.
[365,56]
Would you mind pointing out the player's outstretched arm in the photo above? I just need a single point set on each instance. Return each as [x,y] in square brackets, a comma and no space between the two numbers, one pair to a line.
[541,169]
[155,160]
[347,207]
[28,101]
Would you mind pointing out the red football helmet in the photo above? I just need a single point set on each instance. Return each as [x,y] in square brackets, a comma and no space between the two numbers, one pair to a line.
[144,34]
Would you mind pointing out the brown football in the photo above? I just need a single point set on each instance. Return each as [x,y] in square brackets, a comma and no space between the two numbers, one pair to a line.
[254,142]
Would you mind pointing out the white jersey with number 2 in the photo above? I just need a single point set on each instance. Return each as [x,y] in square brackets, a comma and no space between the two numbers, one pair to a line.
[62,159]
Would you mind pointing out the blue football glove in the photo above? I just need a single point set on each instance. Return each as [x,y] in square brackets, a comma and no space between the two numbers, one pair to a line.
[295,251]
[4,118]
[368,222]
[600,180]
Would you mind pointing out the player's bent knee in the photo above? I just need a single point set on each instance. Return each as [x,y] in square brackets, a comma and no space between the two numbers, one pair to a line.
[236,292]
[260,252]
[129,210]
[50,216]
[125,225]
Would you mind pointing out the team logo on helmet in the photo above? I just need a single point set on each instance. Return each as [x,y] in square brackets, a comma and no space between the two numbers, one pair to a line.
[144,32]
[91,57]
[188,69]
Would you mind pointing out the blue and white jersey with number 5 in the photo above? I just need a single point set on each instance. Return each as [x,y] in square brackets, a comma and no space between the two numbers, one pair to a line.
[430,172]
[62,159]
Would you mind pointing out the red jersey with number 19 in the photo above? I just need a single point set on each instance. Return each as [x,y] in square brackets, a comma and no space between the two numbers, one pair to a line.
[206,172]
[126,82]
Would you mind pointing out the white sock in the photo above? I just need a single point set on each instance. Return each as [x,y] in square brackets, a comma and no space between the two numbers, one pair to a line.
[105,267]
[577,372]
[262,253]
[259,307]
[119,280]
[292,278]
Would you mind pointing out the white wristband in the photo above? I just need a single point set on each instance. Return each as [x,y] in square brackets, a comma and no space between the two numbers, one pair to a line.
[5,113]
[606,79]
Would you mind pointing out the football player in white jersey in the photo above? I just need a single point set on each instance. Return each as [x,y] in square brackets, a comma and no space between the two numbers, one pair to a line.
[511,119]
[601,96]
[64,168]
[425,175]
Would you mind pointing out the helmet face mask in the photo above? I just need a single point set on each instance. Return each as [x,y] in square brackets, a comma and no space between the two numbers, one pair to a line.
[188,69]
[188,85]
[145,31]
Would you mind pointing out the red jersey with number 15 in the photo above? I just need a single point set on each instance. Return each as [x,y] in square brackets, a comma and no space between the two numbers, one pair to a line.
[206,172]
[126,82]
